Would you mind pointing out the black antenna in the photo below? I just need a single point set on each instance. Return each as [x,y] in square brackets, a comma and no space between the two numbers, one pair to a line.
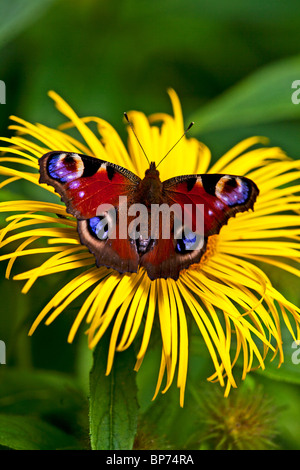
[131,125]
[187,129]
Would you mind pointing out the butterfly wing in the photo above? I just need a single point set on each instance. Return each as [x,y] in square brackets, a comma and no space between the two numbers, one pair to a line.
[207,202]
[85,183]
[221,195]
[116,253]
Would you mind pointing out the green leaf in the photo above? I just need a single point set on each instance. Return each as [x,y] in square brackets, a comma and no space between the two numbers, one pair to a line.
[289,371]
[17,15]
[27,433]
[38,392]
[263,97]
[113,401]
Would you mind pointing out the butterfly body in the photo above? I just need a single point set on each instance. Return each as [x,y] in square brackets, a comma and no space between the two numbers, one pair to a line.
[87,183]
[150,187]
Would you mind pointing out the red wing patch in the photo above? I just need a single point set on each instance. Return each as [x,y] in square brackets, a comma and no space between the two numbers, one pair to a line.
[222,196]
[85,182]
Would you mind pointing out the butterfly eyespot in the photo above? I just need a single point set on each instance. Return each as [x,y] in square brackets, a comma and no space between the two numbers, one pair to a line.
[65,167]
[190,241]
[232,190]
[99,227]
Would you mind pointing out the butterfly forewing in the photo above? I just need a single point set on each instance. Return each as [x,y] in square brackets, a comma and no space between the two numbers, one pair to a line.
[84,183]
[221,196]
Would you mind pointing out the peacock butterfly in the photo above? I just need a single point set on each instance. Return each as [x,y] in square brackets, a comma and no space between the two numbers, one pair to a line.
[86,183]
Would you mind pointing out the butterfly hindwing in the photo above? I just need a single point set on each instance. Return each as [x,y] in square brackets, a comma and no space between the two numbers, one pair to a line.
[166,260]
[115,253]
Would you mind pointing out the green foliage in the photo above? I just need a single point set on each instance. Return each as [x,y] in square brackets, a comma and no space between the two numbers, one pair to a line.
[232,65]
[41,410]
[263,97]
[27,433]
[18,15]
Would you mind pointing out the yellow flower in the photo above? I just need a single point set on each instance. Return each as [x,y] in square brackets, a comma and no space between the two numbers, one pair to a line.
[231,300]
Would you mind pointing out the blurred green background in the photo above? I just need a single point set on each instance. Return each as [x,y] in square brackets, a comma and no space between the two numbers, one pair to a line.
[232,64]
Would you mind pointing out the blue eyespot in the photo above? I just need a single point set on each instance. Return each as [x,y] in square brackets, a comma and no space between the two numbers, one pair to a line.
[65,167]
[53,168]
[188,242]
[99,227]
[244,194]
[234,192]
[93,222]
